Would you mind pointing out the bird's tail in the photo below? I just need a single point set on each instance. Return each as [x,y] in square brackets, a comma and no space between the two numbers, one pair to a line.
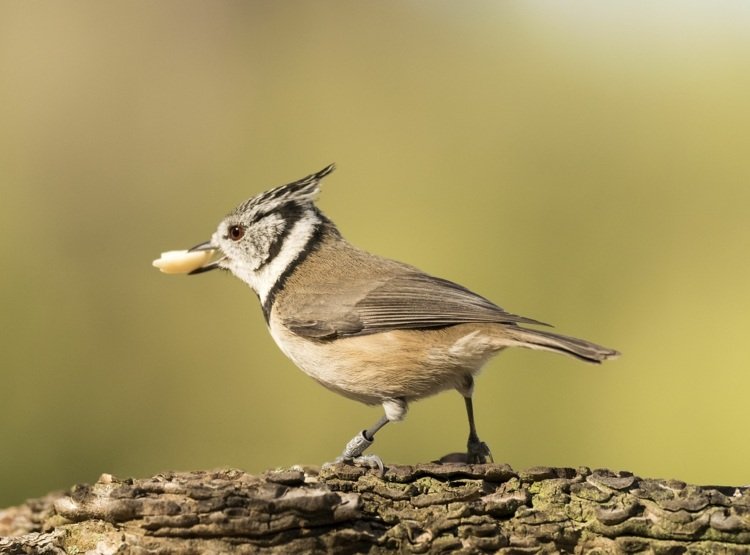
[548,341]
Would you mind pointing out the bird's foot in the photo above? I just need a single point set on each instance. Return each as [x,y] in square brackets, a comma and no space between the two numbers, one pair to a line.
[477,452]
[353,454]
[372,462]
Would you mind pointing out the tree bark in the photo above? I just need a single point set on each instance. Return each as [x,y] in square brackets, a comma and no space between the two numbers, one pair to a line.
[430,508]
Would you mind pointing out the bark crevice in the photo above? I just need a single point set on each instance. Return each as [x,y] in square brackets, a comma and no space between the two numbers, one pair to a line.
[430,508]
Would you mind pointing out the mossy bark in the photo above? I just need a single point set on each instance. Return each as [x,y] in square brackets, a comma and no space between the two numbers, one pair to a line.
[432,508]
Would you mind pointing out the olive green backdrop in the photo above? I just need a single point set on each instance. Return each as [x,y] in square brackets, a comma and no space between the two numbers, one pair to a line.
[583,163]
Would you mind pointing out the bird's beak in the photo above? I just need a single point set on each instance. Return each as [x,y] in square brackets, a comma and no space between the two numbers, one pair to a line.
[204,247]
[207,246]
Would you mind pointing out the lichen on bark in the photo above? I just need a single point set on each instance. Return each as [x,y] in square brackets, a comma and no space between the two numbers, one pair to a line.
[430,508]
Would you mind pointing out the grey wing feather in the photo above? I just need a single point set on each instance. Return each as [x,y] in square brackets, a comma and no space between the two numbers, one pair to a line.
[420,300]
[407,301]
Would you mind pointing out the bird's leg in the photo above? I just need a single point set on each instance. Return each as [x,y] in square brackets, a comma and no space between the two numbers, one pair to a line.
[357,445]
[395,409]
[363,440]
[477,450]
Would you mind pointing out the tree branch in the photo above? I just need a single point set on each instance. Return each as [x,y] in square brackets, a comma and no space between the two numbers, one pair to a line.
[435,508]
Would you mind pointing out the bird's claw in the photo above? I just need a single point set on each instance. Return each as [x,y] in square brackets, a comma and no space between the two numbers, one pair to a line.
[368,461]
[372,462]
[478,452]
[353,454]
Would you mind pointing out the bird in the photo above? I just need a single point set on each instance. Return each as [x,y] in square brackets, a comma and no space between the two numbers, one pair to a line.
[372,329]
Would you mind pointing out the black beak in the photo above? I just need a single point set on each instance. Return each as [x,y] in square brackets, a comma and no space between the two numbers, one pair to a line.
[207,246]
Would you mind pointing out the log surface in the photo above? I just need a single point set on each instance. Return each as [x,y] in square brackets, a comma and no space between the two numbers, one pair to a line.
[431,508]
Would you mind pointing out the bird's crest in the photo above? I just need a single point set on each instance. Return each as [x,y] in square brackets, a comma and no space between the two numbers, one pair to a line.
[302,191]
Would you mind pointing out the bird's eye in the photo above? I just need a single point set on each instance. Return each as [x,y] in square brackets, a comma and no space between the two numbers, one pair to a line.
[236,232]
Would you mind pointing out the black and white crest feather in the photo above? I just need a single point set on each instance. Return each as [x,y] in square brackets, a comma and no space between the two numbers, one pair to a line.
[302,191]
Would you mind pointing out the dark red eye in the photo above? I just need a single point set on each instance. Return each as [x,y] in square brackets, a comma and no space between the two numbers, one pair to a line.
[236,232]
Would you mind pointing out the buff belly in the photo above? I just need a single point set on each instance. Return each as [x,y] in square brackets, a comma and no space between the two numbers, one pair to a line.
[408,364]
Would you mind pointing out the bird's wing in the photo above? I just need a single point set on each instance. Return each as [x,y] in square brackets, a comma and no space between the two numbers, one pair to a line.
[411,300]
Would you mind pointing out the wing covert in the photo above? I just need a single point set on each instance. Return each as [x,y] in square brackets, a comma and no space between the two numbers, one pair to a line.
[411,300]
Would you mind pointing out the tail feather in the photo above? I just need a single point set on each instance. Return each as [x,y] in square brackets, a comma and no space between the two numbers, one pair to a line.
[548,341]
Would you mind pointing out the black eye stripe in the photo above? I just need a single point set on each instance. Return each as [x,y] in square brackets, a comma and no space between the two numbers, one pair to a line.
[290,215]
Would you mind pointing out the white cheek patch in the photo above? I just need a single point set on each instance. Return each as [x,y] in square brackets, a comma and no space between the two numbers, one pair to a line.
[263,278]
[296,241]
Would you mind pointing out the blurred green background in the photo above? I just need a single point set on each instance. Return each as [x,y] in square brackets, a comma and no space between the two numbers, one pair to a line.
[583,163]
